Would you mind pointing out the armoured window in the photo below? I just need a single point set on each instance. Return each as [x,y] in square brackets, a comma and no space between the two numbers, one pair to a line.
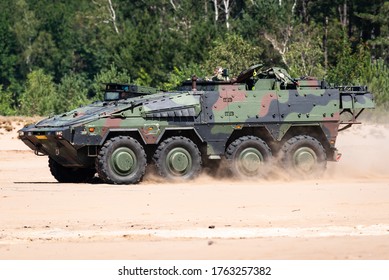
[111,95]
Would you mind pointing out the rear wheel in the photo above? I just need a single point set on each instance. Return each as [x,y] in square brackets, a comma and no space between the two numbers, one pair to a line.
[304,156]
[248,156]
[65,174]
[178,158]
[122,160]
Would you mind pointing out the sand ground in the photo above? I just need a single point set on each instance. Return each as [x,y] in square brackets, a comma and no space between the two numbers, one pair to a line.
[344,215]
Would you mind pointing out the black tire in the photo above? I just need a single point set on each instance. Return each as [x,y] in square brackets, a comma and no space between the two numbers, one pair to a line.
[304,157]
[248,157]
[65,174]
[122,160]
[178,158]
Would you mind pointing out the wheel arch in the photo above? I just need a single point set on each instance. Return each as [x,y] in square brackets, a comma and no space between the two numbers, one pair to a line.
[258,131]
[314,131]
[114,132]
[133,133]
[188,132]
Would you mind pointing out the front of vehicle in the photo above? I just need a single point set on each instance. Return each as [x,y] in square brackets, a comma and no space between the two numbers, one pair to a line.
[61,137]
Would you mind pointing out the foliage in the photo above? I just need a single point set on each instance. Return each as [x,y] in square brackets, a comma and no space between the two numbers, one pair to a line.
[6,108]
[350,66]
[79,45]
[234,53]
[378,19]
[144,78]
[183,73]
[357,68]
[72,92]
[7,43]
[305,56]
[375,76]
[39,95]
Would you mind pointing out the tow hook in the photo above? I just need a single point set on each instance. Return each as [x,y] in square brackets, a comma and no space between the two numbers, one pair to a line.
[38,151]
[337,156]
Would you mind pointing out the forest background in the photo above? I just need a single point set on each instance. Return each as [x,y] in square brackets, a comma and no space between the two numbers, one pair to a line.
[55,55]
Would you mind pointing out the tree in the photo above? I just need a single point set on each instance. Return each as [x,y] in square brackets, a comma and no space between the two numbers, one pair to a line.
[39,95]
[305,56]
[7,44]
[158,42]
[26,30]
[44,53]
[269,25]
[182,73]
[234,53]
[72,92]
[376,26]
[280,31]
[351,66]
[376,77]
[6,107]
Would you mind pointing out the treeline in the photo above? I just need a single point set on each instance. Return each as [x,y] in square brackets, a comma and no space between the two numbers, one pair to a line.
[55,55]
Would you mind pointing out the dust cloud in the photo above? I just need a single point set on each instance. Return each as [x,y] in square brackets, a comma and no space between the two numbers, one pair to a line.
[365,155]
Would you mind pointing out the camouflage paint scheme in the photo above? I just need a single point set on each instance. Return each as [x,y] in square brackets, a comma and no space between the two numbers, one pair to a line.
[213,114]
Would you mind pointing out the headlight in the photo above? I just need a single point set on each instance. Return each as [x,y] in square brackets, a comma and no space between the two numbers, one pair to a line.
[59,134]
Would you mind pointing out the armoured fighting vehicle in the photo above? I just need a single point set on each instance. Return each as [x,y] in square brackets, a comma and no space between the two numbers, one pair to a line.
[250,122]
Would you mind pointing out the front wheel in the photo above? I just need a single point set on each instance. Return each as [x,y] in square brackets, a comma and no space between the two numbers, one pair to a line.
[178,158]
[122,160]
[304,156]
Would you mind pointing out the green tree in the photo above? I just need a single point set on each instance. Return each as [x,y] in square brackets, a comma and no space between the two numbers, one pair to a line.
[351,66]
[7,44]
[44,53]
[269,24]
[6,108]
[305,55]
[376,25]
[376,76]
[39,95]
[234,53]
[185,72]
[159,42]
[72,92]
[26,30]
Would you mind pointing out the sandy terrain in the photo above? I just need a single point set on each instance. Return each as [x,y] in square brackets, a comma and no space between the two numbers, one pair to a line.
[344,215]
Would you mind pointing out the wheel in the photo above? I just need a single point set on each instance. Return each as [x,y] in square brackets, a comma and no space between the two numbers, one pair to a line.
[65,174]
[122,160]
[247,157]
[178,158]
[304,156]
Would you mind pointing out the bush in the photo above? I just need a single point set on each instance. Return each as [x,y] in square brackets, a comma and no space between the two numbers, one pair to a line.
[39,95]
[6,108]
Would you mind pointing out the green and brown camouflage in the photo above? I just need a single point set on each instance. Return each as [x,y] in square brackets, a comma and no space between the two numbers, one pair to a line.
[250,122]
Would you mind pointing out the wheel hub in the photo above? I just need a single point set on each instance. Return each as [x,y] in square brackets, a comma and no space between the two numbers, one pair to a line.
[305,159]
[123,160]
[250,160]
[179,160]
